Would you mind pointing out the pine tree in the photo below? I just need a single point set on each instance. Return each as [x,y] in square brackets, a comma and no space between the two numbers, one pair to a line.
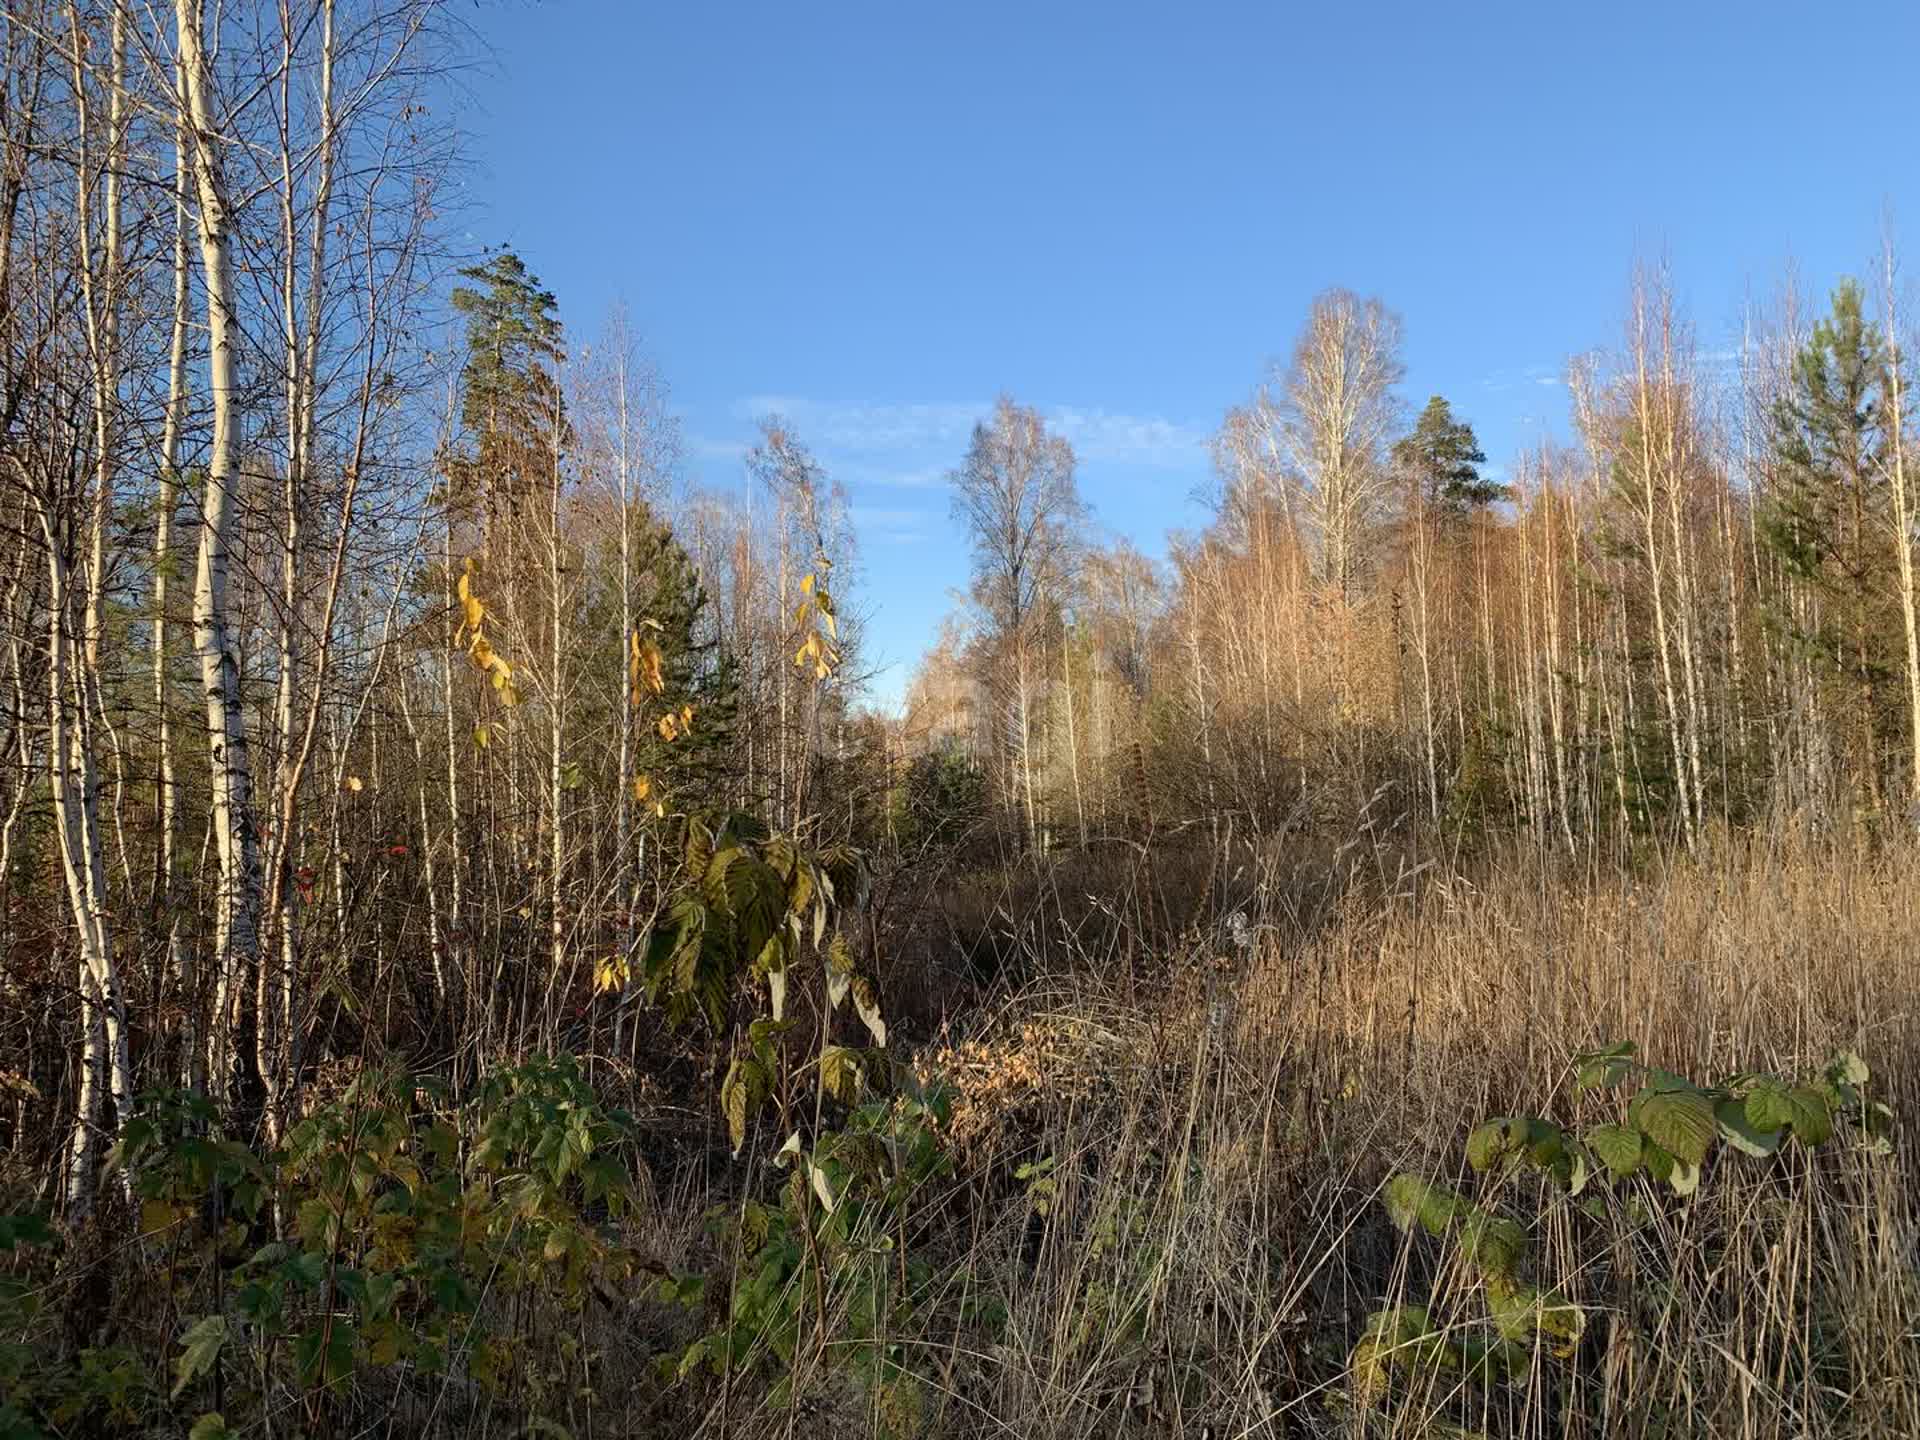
[698,670]
[1823,514]
[1444,457]
[510,393]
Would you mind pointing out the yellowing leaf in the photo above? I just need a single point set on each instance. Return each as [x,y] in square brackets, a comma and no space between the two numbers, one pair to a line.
[482,735]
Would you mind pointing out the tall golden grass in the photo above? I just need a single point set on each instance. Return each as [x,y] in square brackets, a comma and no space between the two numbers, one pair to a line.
[1213,1236]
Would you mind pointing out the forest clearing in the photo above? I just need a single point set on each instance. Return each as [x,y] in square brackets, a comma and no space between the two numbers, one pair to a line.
[495,940]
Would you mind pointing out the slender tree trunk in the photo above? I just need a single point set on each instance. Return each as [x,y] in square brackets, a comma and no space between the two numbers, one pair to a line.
[237,942]
[1906,521]
[181,970]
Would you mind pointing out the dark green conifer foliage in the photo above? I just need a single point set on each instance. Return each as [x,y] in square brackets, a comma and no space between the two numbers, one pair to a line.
[1444,457]
[698,668]
[1824,511]
[510,391]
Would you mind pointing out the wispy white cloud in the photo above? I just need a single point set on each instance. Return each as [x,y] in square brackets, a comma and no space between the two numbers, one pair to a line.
[887,515]
[1105,436]
[893,523]
[1131,439]
[867,429]
[708,447]
[1525,375]
[896,477]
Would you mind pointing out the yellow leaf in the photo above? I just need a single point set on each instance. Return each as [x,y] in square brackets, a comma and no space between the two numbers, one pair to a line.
[156,1215]
[642,787]
[650,667]
[669,727]
[806,585]
[481,653]
[482,735]
[354,784]
[472,611]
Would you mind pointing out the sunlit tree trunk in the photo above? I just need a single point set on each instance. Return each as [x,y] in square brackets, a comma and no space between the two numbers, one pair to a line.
[1905,515]
[237,930]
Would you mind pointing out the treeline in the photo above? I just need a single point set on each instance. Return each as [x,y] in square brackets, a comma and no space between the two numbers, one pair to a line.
[1701,615]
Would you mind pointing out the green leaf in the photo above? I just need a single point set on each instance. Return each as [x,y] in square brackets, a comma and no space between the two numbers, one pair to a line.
[1658,1162]
[1494,1243]
[211,1426]
[1487,1143]
[1741,1133]
[1618,1147]
[742,1093]
[1409,1198]
[821,1187]
[324,1354]
[1773,1106]
[200,1348]
[1681,1122]
[1847,1068]
[1603,1069]
[1877,1121]
[866,1000]
[1399,1325]
[841,1073]
[1576,1171]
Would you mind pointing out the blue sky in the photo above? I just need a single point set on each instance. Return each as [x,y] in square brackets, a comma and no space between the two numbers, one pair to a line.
[876,217]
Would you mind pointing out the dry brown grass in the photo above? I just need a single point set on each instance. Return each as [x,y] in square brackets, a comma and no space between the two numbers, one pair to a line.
[1214,1236]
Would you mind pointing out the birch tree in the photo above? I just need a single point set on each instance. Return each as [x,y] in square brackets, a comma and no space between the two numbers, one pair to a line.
[1016,499]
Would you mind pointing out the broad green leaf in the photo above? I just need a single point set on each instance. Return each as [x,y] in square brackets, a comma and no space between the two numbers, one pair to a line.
[1486,1144]
[1773,1106]
[1618,1147]
[1606,1068]
[1741,1133]
[1681,1122]
[1494,1243]
[1576,1178]
[200,1348]
[1409,1198]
